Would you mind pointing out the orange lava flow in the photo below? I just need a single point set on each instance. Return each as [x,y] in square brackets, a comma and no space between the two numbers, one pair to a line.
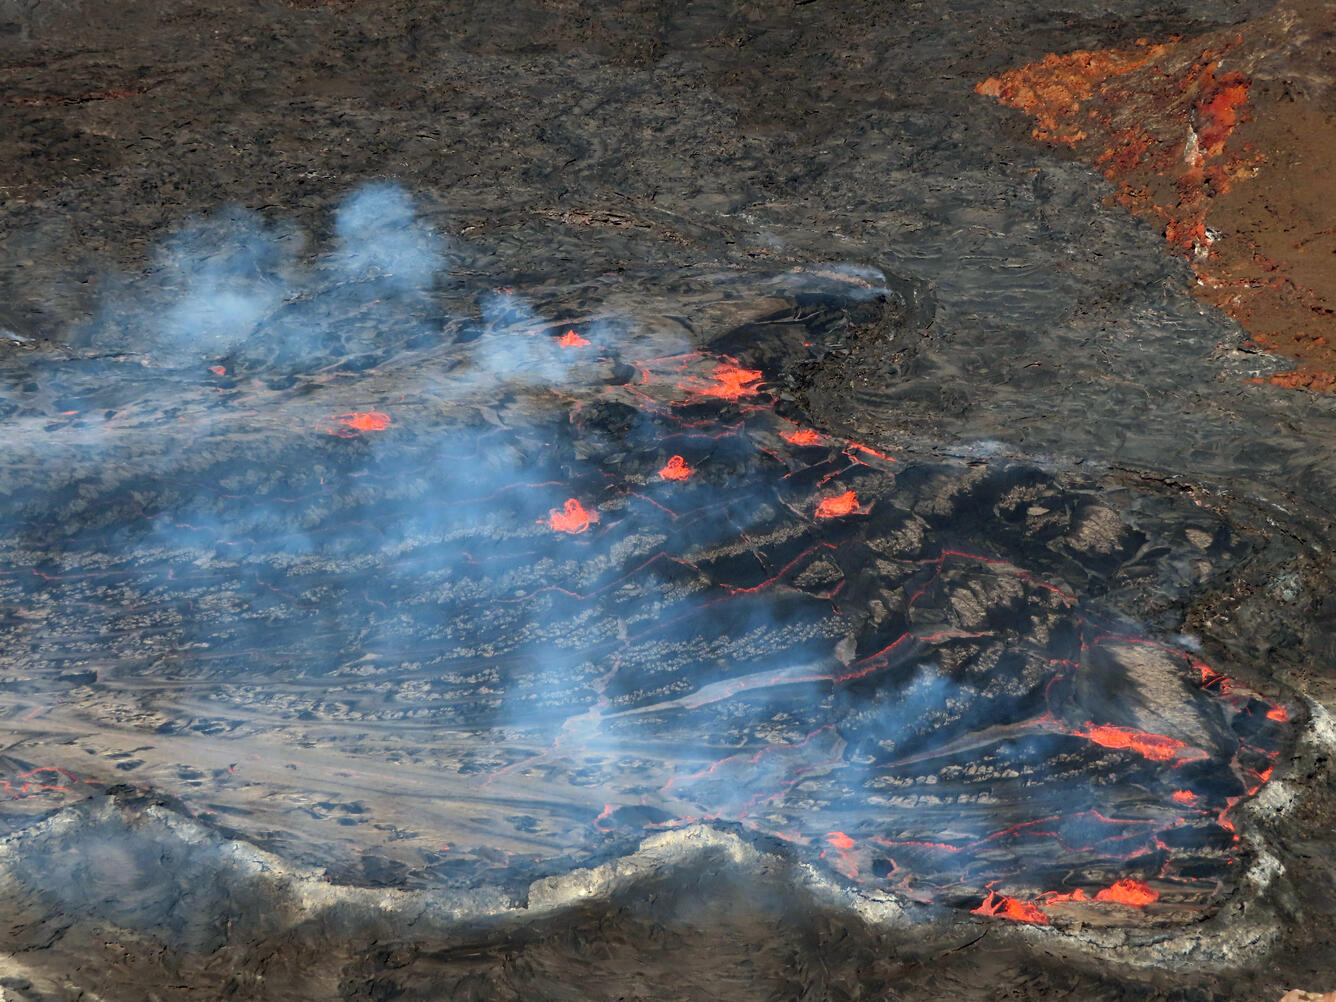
[839,840]
[572,340]
[1056,899]
[1129,892]
[676,469]
[840,504]
[1082,95]
[1001,906]
[1156,747]
[803,436]
[364,421]
[1183,797]
[1124,892]
[729,382]
[1278,713]
[218,370]
[1053,89]
[1179,135]
[572,517]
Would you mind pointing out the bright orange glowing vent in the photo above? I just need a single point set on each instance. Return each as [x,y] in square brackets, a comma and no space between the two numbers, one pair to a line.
[1129,892]
[1183,797]
[803,436]
[1278,713]
[728,382]
[676,469]
[841,504]
[368,421]
[840,840]
[1001,906]
[1153,746]
[572,340]
[572,517]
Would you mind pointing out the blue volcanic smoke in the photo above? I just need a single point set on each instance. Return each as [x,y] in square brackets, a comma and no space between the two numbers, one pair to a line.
[552,584]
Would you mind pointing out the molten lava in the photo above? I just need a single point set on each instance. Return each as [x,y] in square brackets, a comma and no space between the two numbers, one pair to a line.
[840,504]
[218,370]
[676,469]
[1129,892]
[1001,906]
[839,840]
[802,436]
[572,340]
[1056,899]
[1278,713]
[1183,797]
[728,382]
[27,784]
[1156,747]
[572,517]
[364,421]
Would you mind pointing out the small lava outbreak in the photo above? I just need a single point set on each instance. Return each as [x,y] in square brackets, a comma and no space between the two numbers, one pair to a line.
[727,381]
[676,469]
[360,421]
[803,436]
[572,517]
[840,504]
[1152,746]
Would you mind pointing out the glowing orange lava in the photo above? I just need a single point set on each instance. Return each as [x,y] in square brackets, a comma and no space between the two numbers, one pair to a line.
[572,340]
[1184,797]
[1124,892]
[364,421]
[1001,906]
[218,370]
[1056,899]
[839,840]
[676,469]
[1153,746]
[572,517]
[840,504]
[1129,892]
[803,436]
[860,447]
[1278,713]
[730,382]
[27,785]
[1053,89]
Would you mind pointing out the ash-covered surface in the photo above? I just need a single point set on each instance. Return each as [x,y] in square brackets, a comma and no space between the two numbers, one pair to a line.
[729,510]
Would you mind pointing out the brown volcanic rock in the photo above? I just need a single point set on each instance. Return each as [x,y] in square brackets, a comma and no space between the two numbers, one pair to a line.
[1222,140]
